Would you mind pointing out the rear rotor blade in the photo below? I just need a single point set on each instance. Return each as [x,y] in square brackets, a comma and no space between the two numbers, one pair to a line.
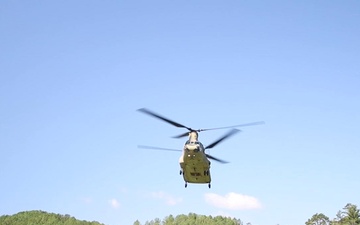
[216,159]
[240,125]
[229,134]
[146,111]
[157,148]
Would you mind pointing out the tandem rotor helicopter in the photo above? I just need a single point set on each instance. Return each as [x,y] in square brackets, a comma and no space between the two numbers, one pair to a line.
[194,162]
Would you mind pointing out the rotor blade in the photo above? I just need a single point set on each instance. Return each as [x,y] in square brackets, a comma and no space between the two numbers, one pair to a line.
[182,135]
[229,134]
[157,148]
[240,125]
[144,110]
[216,159]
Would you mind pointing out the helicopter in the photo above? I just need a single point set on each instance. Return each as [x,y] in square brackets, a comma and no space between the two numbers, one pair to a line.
[194,162]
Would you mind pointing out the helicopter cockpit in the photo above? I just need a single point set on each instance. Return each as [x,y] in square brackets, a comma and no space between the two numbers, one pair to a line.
[194,146]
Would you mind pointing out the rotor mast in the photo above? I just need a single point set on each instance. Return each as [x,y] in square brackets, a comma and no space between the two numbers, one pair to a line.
[193,136]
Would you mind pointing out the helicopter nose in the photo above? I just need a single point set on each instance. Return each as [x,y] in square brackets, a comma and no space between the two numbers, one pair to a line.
[193,148]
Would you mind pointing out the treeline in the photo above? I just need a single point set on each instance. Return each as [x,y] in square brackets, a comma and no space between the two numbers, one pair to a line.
[349,215]
[42,218]
[193,219]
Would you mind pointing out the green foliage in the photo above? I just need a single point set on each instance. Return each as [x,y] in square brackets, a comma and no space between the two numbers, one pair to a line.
[42,218]
[349,216]
[194,219]
[318,219]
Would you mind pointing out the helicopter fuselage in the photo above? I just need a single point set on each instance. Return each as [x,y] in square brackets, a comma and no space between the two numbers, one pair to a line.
[195,166]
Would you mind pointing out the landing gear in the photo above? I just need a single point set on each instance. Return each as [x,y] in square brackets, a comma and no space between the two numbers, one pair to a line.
[181,172]
[185,184]
[209,185]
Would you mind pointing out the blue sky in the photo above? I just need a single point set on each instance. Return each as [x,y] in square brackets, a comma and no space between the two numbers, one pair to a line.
[73,74]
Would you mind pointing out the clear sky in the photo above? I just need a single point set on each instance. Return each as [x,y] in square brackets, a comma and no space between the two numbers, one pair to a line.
[73,74]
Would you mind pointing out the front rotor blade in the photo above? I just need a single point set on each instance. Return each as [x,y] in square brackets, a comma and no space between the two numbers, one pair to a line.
[240,125]
[216,159]
[229,134]
[182,135]
[157,148]
[163,118]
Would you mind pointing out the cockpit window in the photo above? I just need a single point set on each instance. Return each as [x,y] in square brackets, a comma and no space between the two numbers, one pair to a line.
[193,142]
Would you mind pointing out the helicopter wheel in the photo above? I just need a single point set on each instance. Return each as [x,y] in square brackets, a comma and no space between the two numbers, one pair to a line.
[209,185]
[185,185]
[180,172]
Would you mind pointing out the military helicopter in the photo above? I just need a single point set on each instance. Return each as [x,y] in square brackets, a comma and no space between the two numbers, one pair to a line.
[194,162]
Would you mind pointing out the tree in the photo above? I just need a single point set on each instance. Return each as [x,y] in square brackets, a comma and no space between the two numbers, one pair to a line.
[318,219]
[351,215]
[195,219]
[42,218]
[169,220]
[338,218]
